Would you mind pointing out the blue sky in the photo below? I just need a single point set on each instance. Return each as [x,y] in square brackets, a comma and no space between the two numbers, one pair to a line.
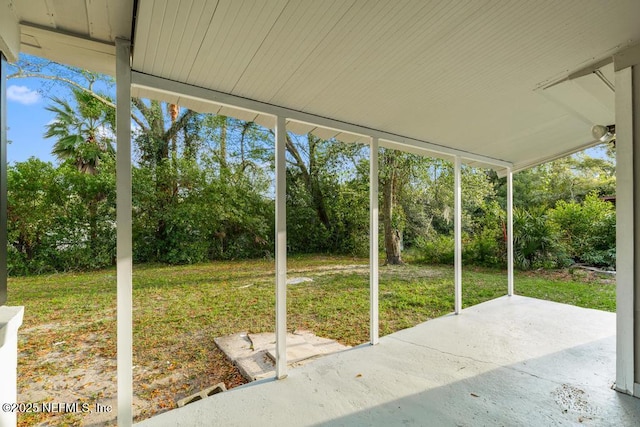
[27,118]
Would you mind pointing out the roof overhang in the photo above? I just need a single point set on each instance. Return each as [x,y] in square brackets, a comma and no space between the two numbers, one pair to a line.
[504,84]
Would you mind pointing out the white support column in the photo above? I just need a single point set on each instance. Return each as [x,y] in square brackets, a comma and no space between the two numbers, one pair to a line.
[457,230]
[373,241]
[509,232]
[627,66]
[281,248]
[3,179]
[124,237]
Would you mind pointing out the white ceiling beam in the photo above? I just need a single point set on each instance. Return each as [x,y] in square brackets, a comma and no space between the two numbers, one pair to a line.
[139,79]
[9,31]
[627,58]
[71,49]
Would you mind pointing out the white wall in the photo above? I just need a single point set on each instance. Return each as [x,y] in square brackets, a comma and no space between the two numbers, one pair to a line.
[10,321]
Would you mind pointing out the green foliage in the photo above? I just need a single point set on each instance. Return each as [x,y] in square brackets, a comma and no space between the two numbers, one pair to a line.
[59,218]
[536,240]
[587,230]
[485,242]
[203,190]
[437,249]
[210,218]
[82,131]
[570,179]
[485,249]
[33,189]
[327,201]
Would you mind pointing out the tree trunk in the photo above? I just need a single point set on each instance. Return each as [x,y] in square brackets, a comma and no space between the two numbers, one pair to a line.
[389,189]
[391,235]
[174,110]
[310,178]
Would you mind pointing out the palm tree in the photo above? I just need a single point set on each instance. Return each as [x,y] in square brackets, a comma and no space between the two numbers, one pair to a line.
[82,134]
[83,137]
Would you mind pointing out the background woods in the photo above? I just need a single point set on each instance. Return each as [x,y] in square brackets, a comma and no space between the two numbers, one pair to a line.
[203,190]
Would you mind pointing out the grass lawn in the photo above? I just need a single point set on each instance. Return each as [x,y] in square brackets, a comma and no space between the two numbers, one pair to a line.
[67,343]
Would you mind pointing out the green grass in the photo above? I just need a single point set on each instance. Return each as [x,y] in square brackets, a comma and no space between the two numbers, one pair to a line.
[178,310]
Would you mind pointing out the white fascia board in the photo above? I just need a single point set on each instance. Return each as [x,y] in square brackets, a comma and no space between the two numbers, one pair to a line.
[164,85]
[9,31]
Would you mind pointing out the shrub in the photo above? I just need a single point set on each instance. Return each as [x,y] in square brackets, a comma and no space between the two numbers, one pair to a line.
[587,230]
[438,249]
[535,241]
[486,249]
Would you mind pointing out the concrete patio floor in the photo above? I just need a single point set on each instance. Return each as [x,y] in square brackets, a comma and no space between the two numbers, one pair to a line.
[512,361]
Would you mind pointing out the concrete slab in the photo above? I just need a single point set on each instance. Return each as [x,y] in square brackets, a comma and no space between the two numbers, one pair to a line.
[254,354]
[510,361]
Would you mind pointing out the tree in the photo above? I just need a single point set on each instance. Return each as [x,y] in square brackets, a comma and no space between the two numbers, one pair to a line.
[310,174]
[34,197]
[319,173]
[83,137]
[83,134]
[395,171]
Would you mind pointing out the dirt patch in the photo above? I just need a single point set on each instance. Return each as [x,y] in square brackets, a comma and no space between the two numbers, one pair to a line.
[575,275]
[406,271]
[73,371]
[65,372]
[331,269]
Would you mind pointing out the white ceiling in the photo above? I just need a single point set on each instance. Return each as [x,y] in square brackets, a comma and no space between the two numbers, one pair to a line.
[482,76]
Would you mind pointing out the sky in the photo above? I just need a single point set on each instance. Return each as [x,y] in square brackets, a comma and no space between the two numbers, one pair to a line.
[27,118]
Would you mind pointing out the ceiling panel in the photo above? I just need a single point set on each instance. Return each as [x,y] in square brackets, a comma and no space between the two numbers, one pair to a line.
[478,76]
[458,73]
[235,33]
[351,137]
[325,133]
[163,38]
[280,55]
[299,128]
[99,28]
[71,16]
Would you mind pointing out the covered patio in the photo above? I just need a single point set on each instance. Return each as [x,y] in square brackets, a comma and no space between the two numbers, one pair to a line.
[503,85]
[509,361]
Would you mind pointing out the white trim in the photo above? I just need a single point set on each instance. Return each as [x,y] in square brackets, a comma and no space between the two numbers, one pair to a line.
[281,248]
[10,321]
[3,179]
[373,241]
[509,232]
[9,31]
[457,229]
[124,235]
[627,58]
[625,232]
[182,89]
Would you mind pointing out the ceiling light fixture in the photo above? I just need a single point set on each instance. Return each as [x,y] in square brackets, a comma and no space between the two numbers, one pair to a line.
[602,133]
